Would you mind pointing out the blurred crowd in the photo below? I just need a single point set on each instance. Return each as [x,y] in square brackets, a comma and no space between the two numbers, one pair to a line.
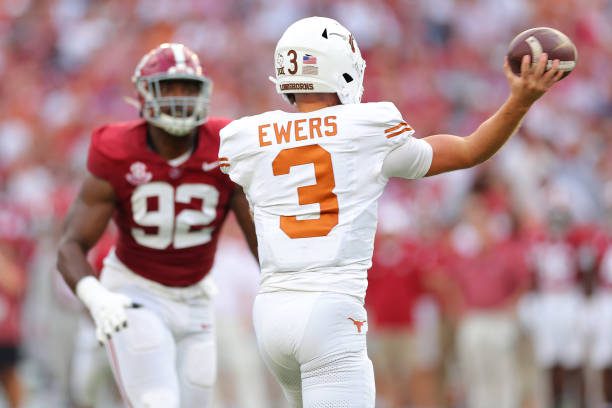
[469,267]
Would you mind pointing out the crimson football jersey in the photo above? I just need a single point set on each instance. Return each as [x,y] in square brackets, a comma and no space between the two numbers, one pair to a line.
[168,217]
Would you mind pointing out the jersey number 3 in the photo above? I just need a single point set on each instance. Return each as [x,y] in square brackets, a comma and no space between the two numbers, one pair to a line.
[320,193]
[173,228]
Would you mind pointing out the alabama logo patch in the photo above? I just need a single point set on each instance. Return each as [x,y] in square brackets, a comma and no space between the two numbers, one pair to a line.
[138,174]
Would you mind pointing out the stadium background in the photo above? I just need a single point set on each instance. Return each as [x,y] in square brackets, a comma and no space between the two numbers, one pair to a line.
[66,66]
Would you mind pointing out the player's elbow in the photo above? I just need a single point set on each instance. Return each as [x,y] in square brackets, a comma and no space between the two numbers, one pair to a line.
[460,159]
[473,154]
[475,159]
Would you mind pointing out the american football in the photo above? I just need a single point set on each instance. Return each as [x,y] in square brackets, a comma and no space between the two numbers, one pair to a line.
[537,40]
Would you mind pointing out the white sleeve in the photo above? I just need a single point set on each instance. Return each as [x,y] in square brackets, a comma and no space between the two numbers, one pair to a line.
[392,125]
[231,152]
[411,160]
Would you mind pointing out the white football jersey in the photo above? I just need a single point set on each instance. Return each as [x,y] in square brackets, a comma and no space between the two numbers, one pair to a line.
[313,180]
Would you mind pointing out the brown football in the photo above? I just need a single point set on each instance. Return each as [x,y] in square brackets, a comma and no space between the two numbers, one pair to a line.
[537,40]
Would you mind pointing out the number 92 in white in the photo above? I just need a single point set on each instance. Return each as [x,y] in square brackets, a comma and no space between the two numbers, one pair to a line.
[173,228]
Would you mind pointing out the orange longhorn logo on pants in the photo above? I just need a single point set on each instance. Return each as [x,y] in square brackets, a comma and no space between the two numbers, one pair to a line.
[358,323]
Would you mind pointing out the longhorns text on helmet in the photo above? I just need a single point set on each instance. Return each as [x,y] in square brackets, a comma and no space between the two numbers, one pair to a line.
[177,115]
[318,54]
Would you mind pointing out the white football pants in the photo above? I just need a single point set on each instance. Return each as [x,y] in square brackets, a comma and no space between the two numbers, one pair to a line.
[487,348]
[91,378]
[315,345]
[557,323]
[599,328]
[166,357]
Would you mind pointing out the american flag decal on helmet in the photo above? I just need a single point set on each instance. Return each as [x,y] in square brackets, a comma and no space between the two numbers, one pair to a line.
[309,59]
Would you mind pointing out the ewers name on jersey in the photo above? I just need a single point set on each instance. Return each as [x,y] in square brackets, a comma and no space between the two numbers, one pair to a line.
[313,180]
[168,216]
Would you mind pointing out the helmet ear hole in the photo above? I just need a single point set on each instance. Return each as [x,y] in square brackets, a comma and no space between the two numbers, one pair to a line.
[324,34]
[347,77]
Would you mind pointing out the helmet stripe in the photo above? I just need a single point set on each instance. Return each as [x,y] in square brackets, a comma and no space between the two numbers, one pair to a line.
[179,56]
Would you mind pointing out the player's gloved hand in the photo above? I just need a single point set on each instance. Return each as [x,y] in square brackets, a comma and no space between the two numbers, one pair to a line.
[106,308]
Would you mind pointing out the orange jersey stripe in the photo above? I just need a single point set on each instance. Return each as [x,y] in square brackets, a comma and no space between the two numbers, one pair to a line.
[406,129]
[391,129]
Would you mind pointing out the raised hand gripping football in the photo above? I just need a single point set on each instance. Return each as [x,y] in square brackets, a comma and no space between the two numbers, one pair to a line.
[534,80]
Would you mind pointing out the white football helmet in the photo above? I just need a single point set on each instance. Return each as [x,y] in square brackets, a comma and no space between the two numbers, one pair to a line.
[318,54]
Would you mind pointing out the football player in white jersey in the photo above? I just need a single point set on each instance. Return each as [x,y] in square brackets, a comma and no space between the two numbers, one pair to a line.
[313,179]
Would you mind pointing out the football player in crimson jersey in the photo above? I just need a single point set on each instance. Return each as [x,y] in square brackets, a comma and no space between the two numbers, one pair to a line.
[12,289]
[313,179]
[159,179]
[555,314]
[16,247]
[601,321]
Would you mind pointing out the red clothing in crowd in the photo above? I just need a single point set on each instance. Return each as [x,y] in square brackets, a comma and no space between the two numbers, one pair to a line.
[593,246]
[396,281]
[489,278]
[15,251]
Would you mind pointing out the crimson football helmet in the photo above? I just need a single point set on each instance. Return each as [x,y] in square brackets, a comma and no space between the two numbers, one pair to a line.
[177,115]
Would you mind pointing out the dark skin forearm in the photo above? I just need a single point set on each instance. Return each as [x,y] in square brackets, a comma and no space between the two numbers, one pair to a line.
[87,219]
[72,262]
[240,206]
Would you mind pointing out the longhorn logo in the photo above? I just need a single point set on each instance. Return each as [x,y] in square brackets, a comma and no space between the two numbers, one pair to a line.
[358,323]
